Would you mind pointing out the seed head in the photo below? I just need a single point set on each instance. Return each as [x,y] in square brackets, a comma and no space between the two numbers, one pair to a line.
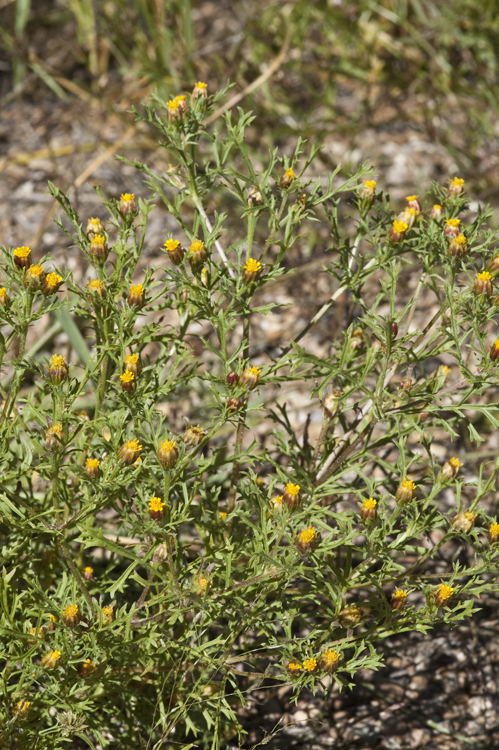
[349,617]
[193,436]
[254,196]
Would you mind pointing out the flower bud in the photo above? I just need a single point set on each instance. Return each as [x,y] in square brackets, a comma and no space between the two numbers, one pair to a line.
[51,660]
[294,668]
[205,279]
[493,535]
[406,491]
[175,251]
[92,467]
[458,247]
[34,278]
[442,595]
[251,272]
[132,364]
[493,265]
[128,383]
[200,91]
[254,196]
[349,617]
[408,216]
[494,351]
[436,211]
[86,668]
[287,178]
[135,297]
[406,383]
[455,187]
[291,497]
[58,370]
[250,378]
[98,249]
[482,284]
[329,661]
[395,329]
[450,469]
[174,112]
[368,191]
[51,625]
[22,257]
[88,573]
[197,254]
[397,231]
[307,540]
[232,379]
[127,205]
[21,709]
[368,510]
[182,104]
[96,288]
[160,554]
[129,452]
[452,227]
[398,599]
[413,202]
[71,615]
[276,503]
[53,437]
[167,454]
[94,227]
[5,300]
[156,509]
[193,436]
[464,521]
[234,404]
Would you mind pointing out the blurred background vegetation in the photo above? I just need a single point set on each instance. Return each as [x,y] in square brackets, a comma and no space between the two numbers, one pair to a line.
[350,66]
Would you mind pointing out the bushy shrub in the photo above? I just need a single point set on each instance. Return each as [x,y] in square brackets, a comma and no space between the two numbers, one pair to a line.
[150,573]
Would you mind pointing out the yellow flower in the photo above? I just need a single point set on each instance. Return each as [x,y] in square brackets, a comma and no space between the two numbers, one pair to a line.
[369,504]
[167,454]
[223,515]
[406,490]
[307,535]
[453,222]
[457,182]
[277,502]
[51,660]
[22,252]
[201,583]
[252,265]
[132,359]
[294,667]
[201,85]
[156,504]
[36,270]
[411,198]
[171,245]
[310,665]
[196,246]
[400,226]
[293,489]
[89,570]
[329,660]
[370,185]
[443,593]
[86,668]
[455,463]
[126,198]
[107,615]
[290,174]
[57,361]
[21,709]
[129,451]
[137,289]
[127,377]
[460,239]
[484,276]
[71,615]
[95,285]
[398,599]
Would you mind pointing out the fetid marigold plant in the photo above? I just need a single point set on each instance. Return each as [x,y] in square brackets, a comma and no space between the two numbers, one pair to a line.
[171,533]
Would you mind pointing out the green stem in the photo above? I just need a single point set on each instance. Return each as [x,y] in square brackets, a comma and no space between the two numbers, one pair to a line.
[76,574]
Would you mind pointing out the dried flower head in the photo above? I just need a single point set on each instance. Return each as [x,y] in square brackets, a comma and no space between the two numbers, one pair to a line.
[51,660]
[287,178]
[21,709]
[450,469]
[464,522]
[349,617]
[398,599]
[193,436]
[86,668]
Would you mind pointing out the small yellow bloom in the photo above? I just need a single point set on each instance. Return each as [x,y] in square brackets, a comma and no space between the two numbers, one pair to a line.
[370,184]
[132,359]
[329,660]
[369,504]
[51,660]
[484,276]
[127,197]
[107,615]
[201,85]
[89,570]
[290,174]
[460,239]
[307,535]
[95,285]
[457,182]
[22,252]
[36,270]
[293,489]
[400,226]
[127,377]
[310,665]
[171,245]
[294,667]
[443,593]
[223,515]
[453,222]
[411,198]
[200,584]
[196,246]
[137,289]
[57,361]
[252,265]
[156,504]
